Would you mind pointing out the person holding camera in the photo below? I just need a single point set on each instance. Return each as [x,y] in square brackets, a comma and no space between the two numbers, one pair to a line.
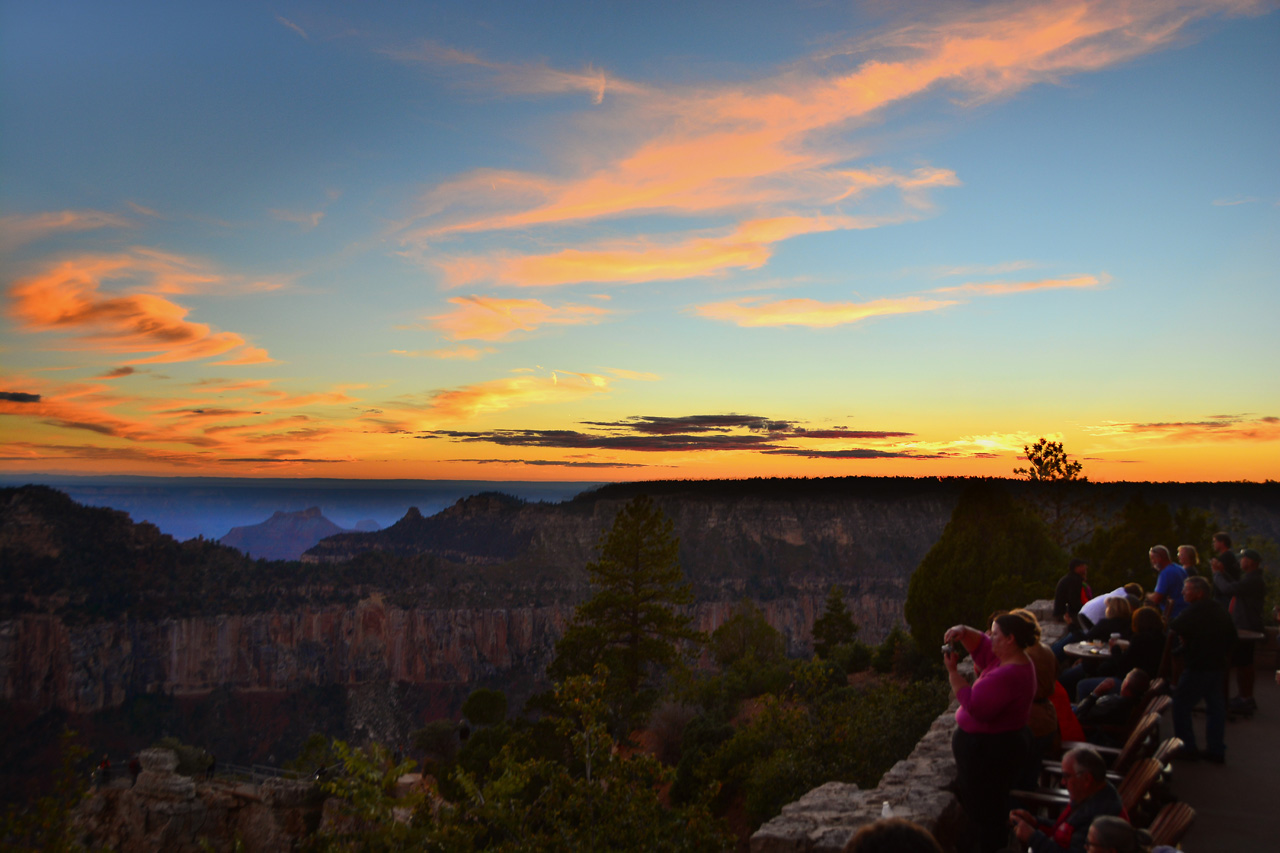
[991,737]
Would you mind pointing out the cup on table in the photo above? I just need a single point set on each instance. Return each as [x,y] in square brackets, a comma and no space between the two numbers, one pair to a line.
[1115,638]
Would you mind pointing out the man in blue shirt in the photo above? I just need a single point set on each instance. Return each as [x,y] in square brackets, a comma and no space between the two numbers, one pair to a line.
[1167,597]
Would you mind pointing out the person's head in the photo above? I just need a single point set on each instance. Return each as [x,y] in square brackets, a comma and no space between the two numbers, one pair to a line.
[1221,542]
[1024,613]
[1188,555]
[1147,620]
[1134,590]
[1118,608]
[1250,560]
[1135,683]
[892,835]
[1159,556]
[1112,834]
[1078,566]
[1195,589]
[1216,564]
[1010,634]
[1084,772]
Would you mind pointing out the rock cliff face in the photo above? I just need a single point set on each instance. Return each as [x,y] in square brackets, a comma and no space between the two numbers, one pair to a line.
[46,664]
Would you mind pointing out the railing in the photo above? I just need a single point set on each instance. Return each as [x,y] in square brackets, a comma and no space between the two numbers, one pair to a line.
[253,773]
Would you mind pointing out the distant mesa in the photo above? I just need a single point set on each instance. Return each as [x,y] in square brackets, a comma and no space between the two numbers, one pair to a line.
[286,535]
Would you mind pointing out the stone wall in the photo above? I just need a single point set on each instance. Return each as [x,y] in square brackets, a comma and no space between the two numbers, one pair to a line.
[917,788]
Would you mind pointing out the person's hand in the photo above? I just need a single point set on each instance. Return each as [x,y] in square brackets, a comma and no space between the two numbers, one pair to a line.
[1105,687]
[953,634]
[951,660]
[1022,814]
[1022,828]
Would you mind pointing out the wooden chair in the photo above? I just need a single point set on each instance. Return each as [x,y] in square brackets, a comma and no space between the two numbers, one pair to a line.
[1158,705]
[1136,785]
[1133,788]
[1171,824]
[1141,741]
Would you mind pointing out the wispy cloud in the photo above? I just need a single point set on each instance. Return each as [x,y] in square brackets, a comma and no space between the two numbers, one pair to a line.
[305,219]
[285,22]
[561,463]
[1214,429]
[1001,288]
[781,146]
[515,78]
[485,318]
[756,312]
[498,395]
[458,353]
[1232,202]
[20,229]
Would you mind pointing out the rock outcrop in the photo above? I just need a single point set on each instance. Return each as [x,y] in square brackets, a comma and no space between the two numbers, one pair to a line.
[166,811]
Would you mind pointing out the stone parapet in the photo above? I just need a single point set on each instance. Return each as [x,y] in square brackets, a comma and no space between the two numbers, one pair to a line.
[917,788]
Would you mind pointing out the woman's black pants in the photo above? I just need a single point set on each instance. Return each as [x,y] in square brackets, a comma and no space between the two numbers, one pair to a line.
[987,765]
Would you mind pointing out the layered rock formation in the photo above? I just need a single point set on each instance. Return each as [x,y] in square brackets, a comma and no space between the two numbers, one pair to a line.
[165,811]
[46,664]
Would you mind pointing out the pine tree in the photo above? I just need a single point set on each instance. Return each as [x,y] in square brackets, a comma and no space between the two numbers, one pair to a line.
[631,624]
[835,627]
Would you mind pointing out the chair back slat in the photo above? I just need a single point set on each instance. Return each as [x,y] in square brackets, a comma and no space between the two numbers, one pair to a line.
[1158,705]
[1167,750]
[1172,824]
[1137,782]
[1136,743]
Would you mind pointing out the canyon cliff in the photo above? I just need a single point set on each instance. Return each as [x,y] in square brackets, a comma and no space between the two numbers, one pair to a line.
[98,611]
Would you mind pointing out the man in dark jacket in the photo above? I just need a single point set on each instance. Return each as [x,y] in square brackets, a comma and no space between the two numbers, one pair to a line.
[1222,552]
[1245,598]
[1091,795]
[1071,593]
[1107,706]
[1207,637]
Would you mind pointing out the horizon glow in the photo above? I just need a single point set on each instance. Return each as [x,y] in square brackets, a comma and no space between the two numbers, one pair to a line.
[583,241]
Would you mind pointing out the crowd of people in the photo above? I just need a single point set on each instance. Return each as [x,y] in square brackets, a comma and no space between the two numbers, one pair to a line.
[1192,629]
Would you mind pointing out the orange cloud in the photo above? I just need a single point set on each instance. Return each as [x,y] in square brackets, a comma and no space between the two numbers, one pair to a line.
[486,318]
[753,312]
[748,246]
[1000,288]
[250,355]
[782,144]
[502,394]
[66,298]
[1216,429]
[19,229]
[461,352]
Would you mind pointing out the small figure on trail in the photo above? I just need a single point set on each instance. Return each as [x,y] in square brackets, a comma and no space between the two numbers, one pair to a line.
[104,771]
[135,767]
[213,765]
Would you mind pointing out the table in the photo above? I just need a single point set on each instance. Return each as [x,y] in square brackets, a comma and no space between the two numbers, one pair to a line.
[1094,650]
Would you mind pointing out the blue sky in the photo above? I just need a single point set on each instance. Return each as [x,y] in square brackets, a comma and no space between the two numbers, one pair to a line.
[547,241]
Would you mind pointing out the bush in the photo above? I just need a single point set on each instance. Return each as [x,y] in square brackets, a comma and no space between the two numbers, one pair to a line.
[485,707]
[852,657]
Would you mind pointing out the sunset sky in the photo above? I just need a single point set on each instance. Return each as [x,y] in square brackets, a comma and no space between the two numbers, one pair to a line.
[616,240]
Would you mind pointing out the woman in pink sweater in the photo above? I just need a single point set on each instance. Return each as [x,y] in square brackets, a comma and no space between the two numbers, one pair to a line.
[991,739]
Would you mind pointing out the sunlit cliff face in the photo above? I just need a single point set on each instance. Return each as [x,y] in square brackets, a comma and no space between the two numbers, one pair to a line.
[845,240]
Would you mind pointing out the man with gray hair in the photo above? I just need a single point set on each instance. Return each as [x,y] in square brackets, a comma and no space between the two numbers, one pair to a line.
[1091,796]
[1167,596]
